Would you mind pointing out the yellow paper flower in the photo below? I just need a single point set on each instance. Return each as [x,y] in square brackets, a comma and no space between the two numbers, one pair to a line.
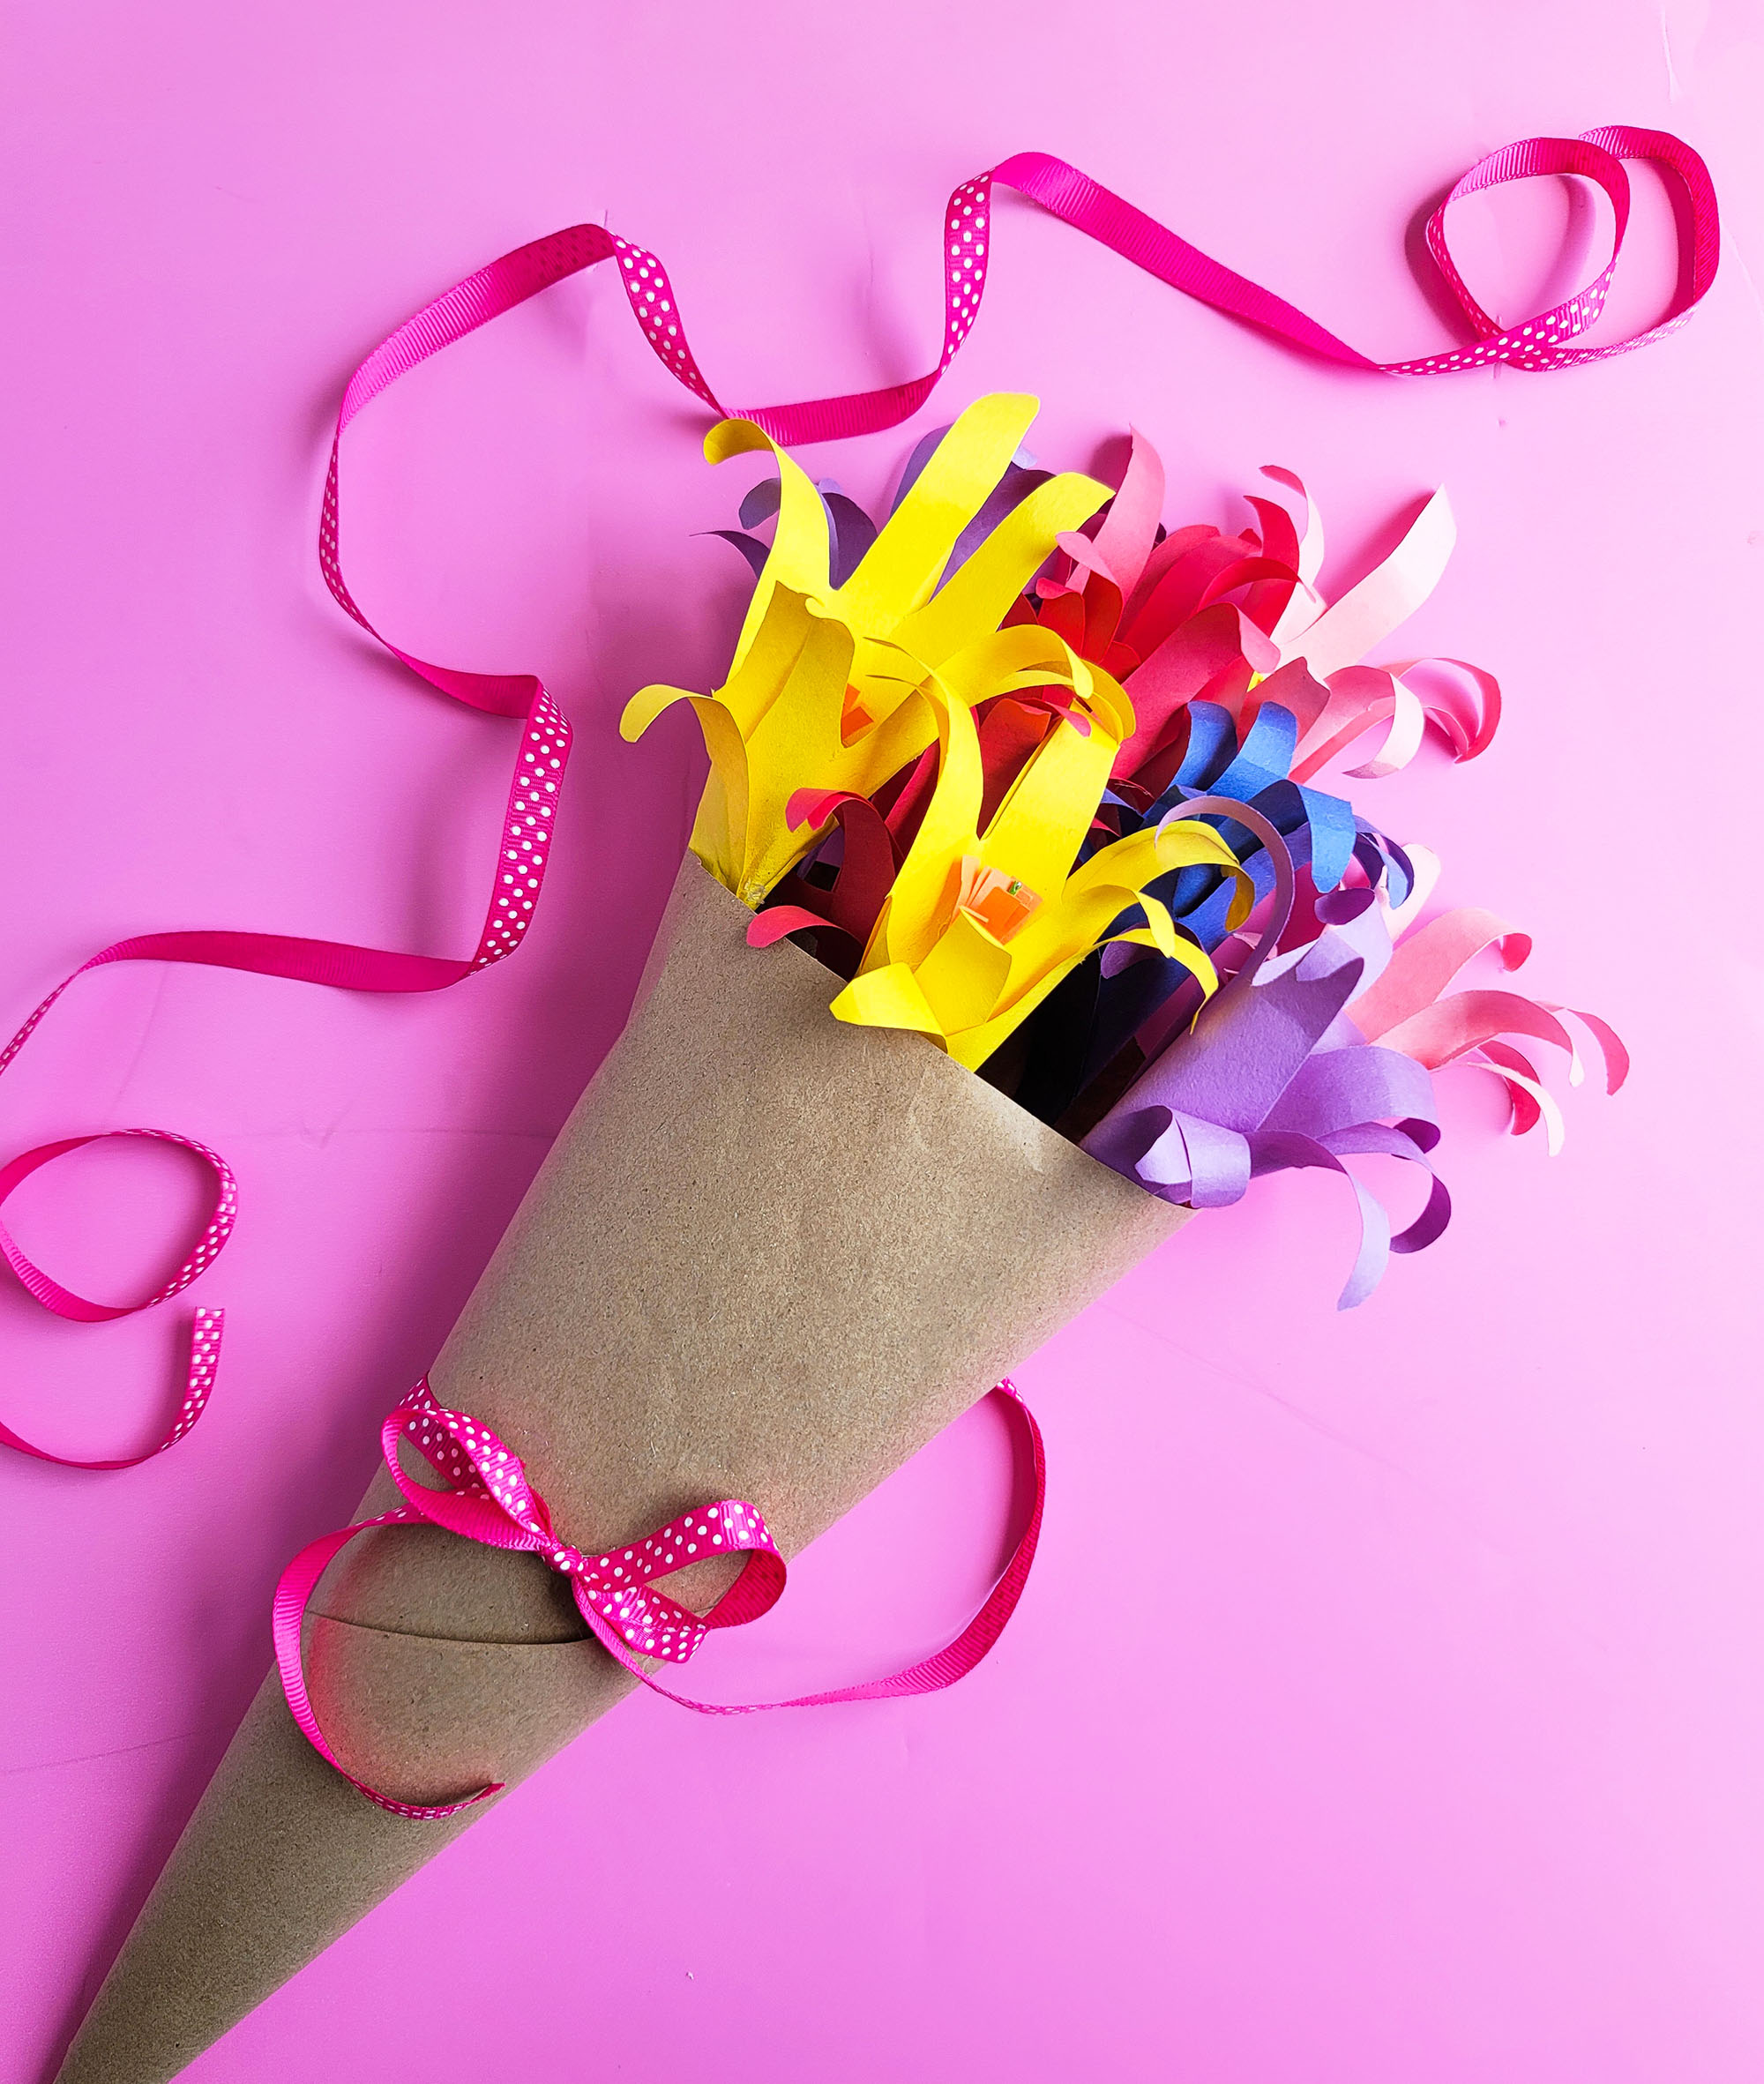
[824,691]
[835,689]
[892,601]
[979,928]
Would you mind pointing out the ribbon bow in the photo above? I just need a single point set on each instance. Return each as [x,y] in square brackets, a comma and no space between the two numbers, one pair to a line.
[487,1498]
[490,1500]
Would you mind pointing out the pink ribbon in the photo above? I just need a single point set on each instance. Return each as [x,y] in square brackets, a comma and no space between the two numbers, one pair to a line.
[528,822]
[205,1340]
[1544,342]
[486,1497]
[1541,342]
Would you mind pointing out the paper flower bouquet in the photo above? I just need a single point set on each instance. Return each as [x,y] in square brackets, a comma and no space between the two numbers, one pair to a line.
[1089,951]
[1044,885]
[1016,927]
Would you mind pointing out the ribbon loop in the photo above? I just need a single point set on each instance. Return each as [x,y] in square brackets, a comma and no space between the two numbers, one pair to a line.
[205,1348]
[63,1302]
[489,1499]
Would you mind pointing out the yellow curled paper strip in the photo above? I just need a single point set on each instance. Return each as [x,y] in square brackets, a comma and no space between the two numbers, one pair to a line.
[891,596]
[837,688]
[778,726]
[934,966]
[822,691]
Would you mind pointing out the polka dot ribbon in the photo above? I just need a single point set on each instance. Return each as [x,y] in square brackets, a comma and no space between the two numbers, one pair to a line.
[1545,341]
[527,825]
[486,1497]
[205,1340]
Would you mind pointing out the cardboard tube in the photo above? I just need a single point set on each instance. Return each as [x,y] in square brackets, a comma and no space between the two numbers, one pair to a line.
[768,1257]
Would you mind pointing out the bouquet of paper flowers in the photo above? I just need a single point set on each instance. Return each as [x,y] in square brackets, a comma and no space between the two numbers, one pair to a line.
[1014,929]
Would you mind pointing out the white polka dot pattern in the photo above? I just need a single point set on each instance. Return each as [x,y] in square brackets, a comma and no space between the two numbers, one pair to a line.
[530,820]
[966,233]
[205,1360]
[1077,200]
[651,295]
[489,1499]
[204,1353]
[615,1584]
[528,826]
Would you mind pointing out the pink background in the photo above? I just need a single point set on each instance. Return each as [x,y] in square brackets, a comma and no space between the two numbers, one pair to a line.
[1442,1760]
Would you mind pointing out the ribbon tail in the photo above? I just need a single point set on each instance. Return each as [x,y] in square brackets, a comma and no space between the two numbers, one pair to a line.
[944,1666]
[298,1582]
[204,1362]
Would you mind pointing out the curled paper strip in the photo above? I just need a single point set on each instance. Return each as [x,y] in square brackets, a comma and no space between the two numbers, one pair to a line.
[486,1496]
[1253,1089]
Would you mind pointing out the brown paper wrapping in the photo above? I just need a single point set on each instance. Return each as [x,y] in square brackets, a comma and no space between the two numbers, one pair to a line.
[768,1257]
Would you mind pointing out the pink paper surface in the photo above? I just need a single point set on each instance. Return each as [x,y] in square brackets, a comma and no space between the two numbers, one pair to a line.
[1437,1752]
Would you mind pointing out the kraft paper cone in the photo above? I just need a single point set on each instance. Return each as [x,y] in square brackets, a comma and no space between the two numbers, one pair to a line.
[769,1257]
